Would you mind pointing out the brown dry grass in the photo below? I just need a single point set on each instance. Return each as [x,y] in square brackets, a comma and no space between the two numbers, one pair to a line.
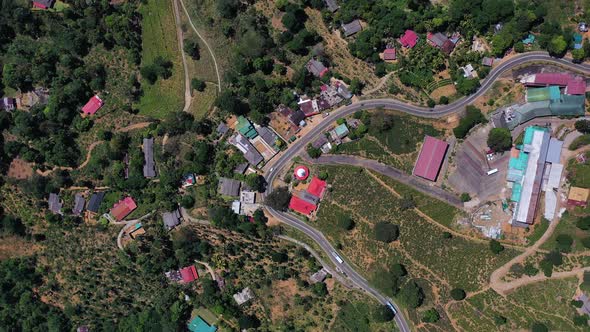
[447,90]
[13,246]
[20,169]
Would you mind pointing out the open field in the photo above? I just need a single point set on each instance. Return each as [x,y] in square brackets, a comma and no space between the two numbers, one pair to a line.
[567,225]
[396,146]
[159,39]
[579,174]
[547,302]
[438,262]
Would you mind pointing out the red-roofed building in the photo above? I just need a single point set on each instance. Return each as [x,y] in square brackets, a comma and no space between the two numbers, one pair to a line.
[316,187]
[575,87]
[431,158]
[123,208]
[189,274]
[409,39]
[93,105]
[543,79]
[302,206]
[389,54]
[309,107]
[43,4]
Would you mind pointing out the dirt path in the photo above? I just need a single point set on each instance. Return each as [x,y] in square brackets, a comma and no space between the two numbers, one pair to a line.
[134,126]
[507,287]
[209,269]
[82,165]
[379,85]
[187,88]
[206,44]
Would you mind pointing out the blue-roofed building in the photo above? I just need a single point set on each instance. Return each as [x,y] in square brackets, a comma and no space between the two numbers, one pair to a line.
[198,324]
[577,41]
[529,39]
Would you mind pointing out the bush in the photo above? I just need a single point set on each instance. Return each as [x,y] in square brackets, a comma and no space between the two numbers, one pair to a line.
[473,117]
[500,320]
[583,126]
[382,313]
[386,232]
[539,327]
[530,270]
[443,100]
[583,223]
[447,235]
[323,175]
[431,316]
[398,270]
[581,320]
[279,257]
[345,222]
[458,294]
[577,303]
[187,201]
[586,242]
[198,85]
[500,139]
[554,257]
[547,267]
[465,197]
[191,47]
[496,247]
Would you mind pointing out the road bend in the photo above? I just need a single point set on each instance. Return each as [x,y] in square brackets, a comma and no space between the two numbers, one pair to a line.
[457,106]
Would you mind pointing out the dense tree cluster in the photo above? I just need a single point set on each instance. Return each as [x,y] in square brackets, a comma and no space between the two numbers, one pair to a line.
[499,139]
[470,120]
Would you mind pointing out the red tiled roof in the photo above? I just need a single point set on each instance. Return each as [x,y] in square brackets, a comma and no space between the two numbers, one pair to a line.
[553,78]
[93,105]
[389,54]
[316,187]
[122,208]
[302,206]
[576,87]
[430,158]
[189,274]
[409,39]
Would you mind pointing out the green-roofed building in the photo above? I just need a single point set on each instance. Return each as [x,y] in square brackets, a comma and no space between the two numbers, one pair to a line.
[542,94]
[245,127]
[198,324]
[341,130]
[565,105]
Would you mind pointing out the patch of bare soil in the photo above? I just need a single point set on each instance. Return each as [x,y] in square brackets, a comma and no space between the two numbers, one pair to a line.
[283,292]
[447,90]
[13,246]
[20,169]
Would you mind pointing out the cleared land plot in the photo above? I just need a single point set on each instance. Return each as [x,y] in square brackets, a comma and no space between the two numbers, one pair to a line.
[159,39]
[396,146]
[547,302]
[567,226]
[579,174]
[421,245]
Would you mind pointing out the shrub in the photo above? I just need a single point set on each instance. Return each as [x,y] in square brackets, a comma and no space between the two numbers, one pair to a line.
[382,313]
[198,85]
[386,232]
[500,320]
[530,270]
[443,100]
[496,247]
[279,199]
[577,303]
[431,316]
[539,327]
[583,126]
[465,197]
[583,223]
[345,222]
[499,139]
[323,175]
[313,152]
[581,320]
[564,242]
[586,242]
[447,235]
[458,294]
[411,294]
[398,270]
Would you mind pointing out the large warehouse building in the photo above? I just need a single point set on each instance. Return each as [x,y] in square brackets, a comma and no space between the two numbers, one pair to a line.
[431,158]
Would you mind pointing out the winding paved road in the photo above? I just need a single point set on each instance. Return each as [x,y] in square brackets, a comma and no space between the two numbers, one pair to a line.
[393,104]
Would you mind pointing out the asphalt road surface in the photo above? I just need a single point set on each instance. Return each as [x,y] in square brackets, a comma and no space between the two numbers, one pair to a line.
[393,104]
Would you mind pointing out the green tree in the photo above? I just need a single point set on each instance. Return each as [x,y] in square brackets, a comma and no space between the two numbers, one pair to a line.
[581,320]
[579,55]
[557,46]
[496,247]
[386,232]
[228,8]
[191,47]
[256,182]
[313,152]
[500,139]
[356,86]
[458,294]
[411,295]
[279,199]
[398,270]
[583,126]
[500,320]
[530,270]
[430,316]
[187,201]
[470,120]
[583,223]
[345,222]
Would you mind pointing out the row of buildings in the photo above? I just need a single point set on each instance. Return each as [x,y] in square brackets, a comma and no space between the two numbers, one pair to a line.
[547,94]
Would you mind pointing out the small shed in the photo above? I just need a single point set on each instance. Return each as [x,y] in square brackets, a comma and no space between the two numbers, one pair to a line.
[93,105]
[229,187]
[79,202]
[578,196]
[351,28]
[331,5]
[95,201]
[55,203]
[487,61]
[171,219]
[149,167]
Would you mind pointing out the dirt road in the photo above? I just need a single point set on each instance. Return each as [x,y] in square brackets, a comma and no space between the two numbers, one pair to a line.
[187,87]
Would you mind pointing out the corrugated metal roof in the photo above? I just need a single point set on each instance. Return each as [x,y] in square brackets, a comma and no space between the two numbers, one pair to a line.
[149,167]
[431,157]
[554,153]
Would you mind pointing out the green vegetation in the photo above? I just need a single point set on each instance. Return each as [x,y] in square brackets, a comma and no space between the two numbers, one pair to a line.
[570,234]
[458,294]
[465,197]
[500,139]
[473,117]
[279,199]
[579,173]
[431,316]
[521,308]
[160,42]
[579,142]
[386,232]
[496,247]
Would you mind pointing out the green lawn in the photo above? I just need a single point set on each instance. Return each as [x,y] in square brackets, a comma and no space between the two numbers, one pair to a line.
[159,39]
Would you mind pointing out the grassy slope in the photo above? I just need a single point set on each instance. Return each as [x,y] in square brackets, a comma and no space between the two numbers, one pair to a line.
[159,39]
